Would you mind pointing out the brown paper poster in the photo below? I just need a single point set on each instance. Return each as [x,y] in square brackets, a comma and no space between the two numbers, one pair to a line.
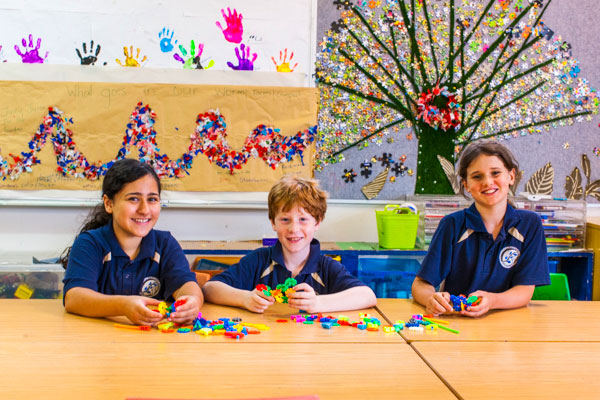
[60,135]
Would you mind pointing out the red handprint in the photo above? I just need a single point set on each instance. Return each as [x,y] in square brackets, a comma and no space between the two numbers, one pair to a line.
[233,32]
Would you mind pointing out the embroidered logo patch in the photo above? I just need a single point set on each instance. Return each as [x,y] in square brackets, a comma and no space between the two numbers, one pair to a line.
[509,256]
[150,287]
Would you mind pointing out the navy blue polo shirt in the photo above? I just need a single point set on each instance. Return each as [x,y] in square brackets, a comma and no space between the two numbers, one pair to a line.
[98,262]
[466,257]
[266,265]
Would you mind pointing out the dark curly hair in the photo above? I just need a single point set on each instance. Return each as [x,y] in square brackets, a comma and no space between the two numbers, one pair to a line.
[121,173]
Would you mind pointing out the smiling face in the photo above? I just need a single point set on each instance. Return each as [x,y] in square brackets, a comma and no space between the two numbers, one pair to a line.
[135,210]
[488,181]
[295,230]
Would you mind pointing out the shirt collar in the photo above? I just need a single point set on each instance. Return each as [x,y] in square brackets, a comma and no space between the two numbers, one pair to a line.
[147,248]
[475,222]
[312,262]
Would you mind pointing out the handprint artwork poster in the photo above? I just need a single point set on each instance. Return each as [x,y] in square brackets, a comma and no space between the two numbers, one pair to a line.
[228,36]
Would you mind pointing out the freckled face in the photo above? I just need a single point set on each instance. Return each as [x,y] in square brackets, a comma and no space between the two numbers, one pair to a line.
[488,180]
[295,230]
[135,209]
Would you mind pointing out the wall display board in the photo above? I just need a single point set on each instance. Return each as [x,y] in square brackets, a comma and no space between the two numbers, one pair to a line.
[220,99]
[405,85]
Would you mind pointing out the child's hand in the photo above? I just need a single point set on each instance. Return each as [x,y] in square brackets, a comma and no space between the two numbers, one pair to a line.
[439,303]
[483,307]
[257,302]
[304,298]
[137,311]
[187,312]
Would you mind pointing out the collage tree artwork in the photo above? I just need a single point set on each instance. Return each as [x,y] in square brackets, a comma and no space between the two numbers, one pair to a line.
[451,71]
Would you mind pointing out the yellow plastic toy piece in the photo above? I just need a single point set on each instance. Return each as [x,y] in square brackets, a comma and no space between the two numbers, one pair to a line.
[261,327]
[389,329]
[23,292]
[204,331]
[166,325]
[162,307]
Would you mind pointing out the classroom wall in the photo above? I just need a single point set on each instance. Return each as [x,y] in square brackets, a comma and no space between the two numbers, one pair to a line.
[43,232]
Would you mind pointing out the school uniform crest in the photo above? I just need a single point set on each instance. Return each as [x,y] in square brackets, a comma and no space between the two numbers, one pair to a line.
[509,256]
[150,287]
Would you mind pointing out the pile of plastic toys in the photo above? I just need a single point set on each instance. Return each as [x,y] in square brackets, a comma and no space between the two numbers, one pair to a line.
[460,302]
[281,291]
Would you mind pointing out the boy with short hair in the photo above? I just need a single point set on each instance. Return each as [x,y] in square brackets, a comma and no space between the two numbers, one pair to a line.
[296,208]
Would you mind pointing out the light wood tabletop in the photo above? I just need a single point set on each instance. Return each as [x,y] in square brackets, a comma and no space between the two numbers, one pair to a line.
[47,320]
[512,370]
[540,321]
[216,370]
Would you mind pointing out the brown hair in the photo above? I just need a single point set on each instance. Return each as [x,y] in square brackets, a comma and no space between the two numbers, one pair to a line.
[489,148]
[292,191]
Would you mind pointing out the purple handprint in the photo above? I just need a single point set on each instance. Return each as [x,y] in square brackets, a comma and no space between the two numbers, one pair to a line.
[233,32]
[244,62]
[31,55]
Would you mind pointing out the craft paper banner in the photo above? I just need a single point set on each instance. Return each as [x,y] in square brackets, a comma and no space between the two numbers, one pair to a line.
[98,115]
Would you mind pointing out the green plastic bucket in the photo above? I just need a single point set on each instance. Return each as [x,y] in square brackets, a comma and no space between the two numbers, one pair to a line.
[397,227]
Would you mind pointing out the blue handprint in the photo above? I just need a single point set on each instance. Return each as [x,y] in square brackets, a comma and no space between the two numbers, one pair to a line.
[244,62]
[166,41]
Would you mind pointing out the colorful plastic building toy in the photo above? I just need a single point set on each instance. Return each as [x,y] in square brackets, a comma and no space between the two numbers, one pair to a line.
[461,302]
[281,291]
[166,310]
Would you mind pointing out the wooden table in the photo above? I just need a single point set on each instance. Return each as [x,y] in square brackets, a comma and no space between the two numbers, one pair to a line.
[47,320]
[529,352]
[516,370]
[540,321]
[216,370]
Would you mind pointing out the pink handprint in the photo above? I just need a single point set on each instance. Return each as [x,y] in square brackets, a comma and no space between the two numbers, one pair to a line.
[31,55]
[284,63]
[244,62]
[233,32]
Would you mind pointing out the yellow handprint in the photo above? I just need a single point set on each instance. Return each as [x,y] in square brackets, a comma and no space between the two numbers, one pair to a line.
[284,65]
[130,61]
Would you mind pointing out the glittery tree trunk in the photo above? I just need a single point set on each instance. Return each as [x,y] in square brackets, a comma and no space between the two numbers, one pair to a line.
[431,178]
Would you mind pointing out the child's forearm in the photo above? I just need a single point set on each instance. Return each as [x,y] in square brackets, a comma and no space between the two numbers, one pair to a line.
[89,303]
[190,289]
[422,291]
[221,293]
[515,297]
[355,298]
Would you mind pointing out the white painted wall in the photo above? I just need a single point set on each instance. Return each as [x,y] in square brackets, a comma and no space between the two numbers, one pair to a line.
[44,231]
[43,227]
